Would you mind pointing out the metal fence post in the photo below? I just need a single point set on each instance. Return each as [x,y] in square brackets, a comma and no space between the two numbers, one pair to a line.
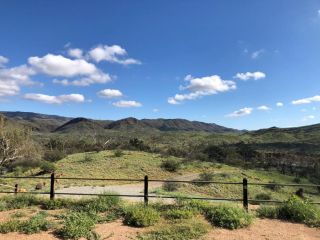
[245,194]
[146,199]
[52,186]
[16,187]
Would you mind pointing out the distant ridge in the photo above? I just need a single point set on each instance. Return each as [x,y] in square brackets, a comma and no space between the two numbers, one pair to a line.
[54,123]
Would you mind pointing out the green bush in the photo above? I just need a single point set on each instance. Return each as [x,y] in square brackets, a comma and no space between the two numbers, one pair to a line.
[47,167]
[174,214]
[295,210]
[35,224]
[267,212]
[118,153]
[171,165]
[141,216]
[77,225]
[57,204]
[184,230]
[19,201]
[298,210]
[9,226]
[53,155]
[171,186]
[99,204]
[196,206]
[228,216]
[261,196]
[273,186]
[206,176]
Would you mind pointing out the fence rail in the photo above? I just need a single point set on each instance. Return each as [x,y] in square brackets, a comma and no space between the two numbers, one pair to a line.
[245,189]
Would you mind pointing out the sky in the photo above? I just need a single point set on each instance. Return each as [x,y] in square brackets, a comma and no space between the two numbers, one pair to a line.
[241,64]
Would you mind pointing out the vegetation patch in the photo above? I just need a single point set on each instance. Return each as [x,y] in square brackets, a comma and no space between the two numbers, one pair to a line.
[141,216]
[171,165]
[183,230]
[174,214]
[228,216]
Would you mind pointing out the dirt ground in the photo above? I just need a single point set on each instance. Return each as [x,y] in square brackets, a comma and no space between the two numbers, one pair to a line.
[261,229]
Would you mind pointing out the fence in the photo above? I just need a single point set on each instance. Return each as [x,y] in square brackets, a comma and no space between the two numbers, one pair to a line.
[245,200]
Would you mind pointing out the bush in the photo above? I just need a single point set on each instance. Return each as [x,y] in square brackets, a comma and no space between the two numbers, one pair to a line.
[118,153]
[295,210]
[19,201]
[56,204]
[227,216]
[205,176]
[9,226]
[171,165]
[141,216]
[297,180]
[99,204]
[53,155]
[184,230]
[171,186]
[196,206]
[261,196]
[174,214]
[77,225]
[273,186]
[300,211]
[47,167]
[267,212]
[35,224]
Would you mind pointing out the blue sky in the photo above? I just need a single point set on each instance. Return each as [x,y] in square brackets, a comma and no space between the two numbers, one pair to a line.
[227,62]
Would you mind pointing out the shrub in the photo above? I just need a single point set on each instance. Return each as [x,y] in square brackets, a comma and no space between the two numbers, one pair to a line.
[53,155]
[118,153]
[174,214]
[171,186]
[184,230]
[77,225]
[267,212]
[261,196]
[171,165]
[228,216]
[205,176]
[35,224]
[196,206]
[20,201]
[9,226]
[273,186]
[297,180]
[56,204]
[298,210]
[47,167]
[141,216]
[99,204]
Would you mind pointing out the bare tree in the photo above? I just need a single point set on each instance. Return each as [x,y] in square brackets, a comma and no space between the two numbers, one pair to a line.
[15,144]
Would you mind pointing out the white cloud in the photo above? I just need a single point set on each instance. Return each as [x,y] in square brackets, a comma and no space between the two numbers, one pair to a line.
[98,77]
[241,112]
[306,100]
[155,110]
[127,104]
[77,98]
[75,52]
[257,54]
[11,79]
[3,61]
[60,66]
[264,108]
[307,118]
[204,86]
[113,54]
[110,93]
[250,75]
[279,104]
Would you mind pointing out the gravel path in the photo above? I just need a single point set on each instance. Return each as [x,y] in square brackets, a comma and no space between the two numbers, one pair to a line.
[125,189]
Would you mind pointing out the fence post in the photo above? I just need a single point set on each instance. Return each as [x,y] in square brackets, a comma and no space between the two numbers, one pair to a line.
[52,186]
[16,187]
[245,194]
[146,199]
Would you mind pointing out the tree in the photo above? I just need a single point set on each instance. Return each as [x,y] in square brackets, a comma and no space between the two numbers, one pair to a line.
[15,144]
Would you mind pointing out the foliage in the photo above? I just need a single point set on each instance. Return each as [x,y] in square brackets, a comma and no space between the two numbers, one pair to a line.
[171,165]
[273,186]
[174,214]
[9,226]
[141,216]
[47,167]
[35,224]
[184,230]
[19,201]
[53,155]
[118,153]
[77,225]
[266,211]
[228,216]
[171,186]
[57,204]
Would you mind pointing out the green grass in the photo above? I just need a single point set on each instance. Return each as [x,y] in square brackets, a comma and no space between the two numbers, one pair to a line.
[141,216]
